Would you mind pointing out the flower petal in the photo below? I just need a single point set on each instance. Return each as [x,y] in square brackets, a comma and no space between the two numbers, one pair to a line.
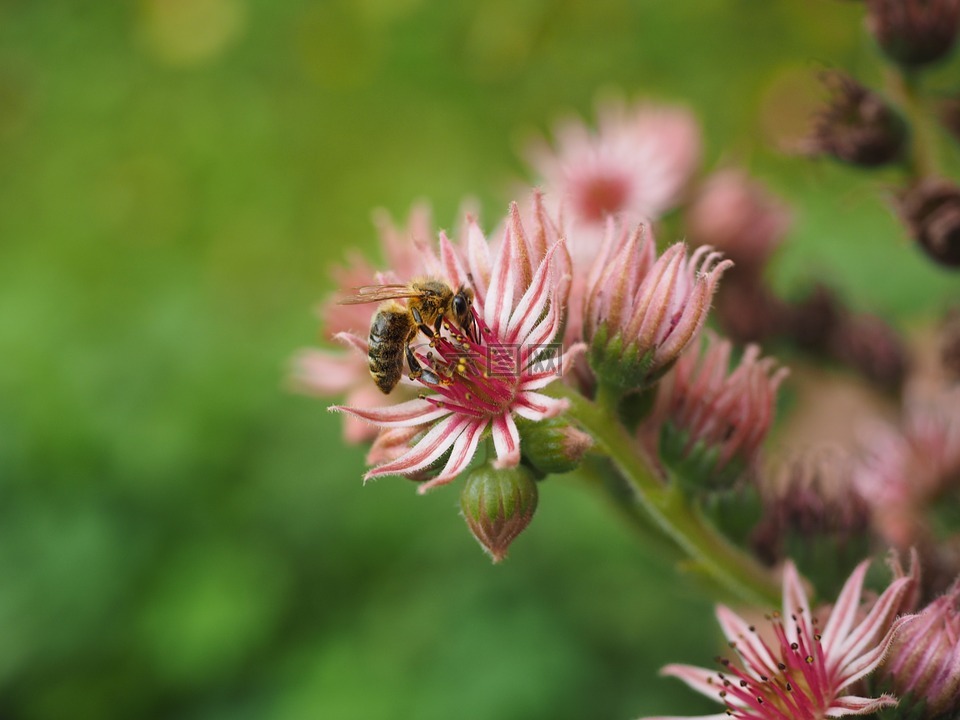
[412,412]
[534,300]
[535,406]
[461,455]
[506,440]
[700,679]
[845,610]
[856,705]
[749,646]
[431,446]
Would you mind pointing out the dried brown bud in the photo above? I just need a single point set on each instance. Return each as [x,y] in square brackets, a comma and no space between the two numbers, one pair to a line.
[931,211]
[814,320]
[857,126]
[872,347]
[914,32]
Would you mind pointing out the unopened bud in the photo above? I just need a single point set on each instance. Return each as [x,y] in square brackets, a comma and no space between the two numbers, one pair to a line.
[498,504]
[868,344]
[857,127]
[924,661]
[713,418]
[814,514]
[553,446]
[914,32]
[931,211]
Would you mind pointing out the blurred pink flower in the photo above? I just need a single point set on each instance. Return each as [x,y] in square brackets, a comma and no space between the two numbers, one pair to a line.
[739,217]
[333,373]
[478,385]
[903,470]
[637,162]
[804,672]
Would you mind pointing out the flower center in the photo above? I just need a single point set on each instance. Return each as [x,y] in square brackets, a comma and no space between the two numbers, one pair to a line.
[797,688]
[602,195]
[476,376]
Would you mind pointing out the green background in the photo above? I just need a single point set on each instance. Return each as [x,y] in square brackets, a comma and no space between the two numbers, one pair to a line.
[180,536]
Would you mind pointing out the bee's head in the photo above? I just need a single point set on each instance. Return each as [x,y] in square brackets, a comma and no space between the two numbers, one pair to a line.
[462,302]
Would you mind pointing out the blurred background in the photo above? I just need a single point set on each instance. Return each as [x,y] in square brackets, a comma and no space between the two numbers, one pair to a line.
[182,537]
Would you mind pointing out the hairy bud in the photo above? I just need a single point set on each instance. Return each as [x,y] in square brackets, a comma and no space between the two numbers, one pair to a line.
[498,504]
[931,211]
[924,661]
[857,127]
[553,446]
[713,419]
[914,32]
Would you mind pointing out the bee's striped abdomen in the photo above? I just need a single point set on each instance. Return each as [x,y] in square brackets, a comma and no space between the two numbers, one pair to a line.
[389,334]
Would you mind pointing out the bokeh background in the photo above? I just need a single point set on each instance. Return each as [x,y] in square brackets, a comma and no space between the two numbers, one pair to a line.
[182,537]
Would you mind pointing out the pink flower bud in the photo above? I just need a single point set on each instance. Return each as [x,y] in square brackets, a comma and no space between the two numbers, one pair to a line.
[931,211]
[924,661]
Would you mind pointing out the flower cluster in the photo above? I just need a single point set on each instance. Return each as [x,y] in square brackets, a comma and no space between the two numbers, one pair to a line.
[566,340]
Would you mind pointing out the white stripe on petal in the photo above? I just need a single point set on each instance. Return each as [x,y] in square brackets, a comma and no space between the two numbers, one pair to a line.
[506,441]
[434,444]
[536,406]
[856,705]
[534,300]
[453,268]
[412,412]
[461,455]
[700,679]
[845,611]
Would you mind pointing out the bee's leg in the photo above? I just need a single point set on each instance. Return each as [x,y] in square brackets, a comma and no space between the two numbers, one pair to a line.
[424,328]
[416,369]
[438,324]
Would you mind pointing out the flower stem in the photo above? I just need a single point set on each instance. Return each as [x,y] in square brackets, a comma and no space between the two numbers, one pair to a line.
[905,87]
[671,510]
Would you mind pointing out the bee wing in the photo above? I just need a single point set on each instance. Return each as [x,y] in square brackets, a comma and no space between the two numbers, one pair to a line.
[377,293]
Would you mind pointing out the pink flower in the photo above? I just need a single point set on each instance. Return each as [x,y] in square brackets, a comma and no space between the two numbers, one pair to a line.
[642,311]
[739,217]
[477,385]
[721,411]
[332,373]
[638,161]
[903,470]
[802,672]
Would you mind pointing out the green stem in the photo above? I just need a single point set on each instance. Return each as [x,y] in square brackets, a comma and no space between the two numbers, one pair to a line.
[905,87]
[671,510]
[596,473]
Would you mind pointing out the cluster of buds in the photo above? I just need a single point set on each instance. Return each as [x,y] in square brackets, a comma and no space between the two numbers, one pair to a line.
[862,128]
[711,419]
[815,515]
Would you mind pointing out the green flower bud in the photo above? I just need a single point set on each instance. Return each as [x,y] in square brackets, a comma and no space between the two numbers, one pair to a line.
[498,504]
[553,446]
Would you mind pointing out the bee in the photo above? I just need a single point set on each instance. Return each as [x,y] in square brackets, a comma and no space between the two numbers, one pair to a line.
[395,326]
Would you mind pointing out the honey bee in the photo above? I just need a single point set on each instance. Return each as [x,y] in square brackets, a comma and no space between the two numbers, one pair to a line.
[395,326]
